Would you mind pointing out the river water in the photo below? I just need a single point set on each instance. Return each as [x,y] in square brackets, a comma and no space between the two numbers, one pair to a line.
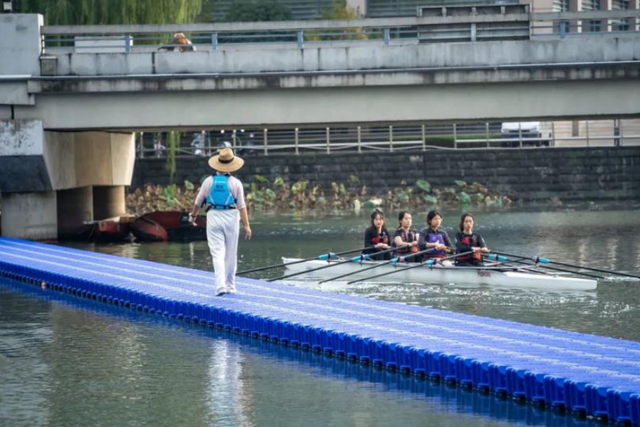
[66,361]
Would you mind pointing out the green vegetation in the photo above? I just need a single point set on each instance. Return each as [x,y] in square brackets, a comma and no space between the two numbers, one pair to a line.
[258,11]
[105,12]
[158,198]
[339,10]
[301,196]
[263,195]
[173,140]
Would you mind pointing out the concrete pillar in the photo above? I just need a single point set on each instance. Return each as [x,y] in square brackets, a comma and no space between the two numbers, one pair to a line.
[539,5]
[35,163]
[75,206]
[605,4]
[635,23]
[575,6]
[108,202]
[605,23]
[30,215]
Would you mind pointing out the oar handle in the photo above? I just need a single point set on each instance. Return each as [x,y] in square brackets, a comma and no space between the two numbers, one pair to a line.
[324,257]
[394,261]
[536,259]
[429,262]
[363,257]
[433,261]
[316,269]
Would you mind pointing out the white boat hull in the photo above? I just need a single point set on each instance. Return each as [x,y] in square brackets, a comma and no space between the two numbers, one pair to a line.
[457,275]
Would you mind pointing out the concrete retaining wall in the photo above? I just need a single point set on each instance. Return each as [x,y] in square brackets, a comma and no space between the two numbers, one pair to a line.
[531,174]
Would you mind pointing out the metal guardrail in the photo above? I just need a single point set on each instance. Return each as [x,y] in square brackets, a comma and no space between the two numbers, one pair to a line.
[400,138]
[380,31]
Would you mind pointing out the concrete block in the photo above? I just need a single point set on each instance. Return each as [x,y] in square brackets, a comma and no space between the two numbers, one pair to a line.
[30,216]
[108,201]
[20,44]
[21,137]
[16,93]
[74,207]
[23,174]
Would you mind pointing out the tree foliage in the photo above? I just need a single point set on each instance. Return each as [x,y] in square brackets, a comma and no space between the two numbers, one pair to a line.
[106,12]
[258,11]
[339,10]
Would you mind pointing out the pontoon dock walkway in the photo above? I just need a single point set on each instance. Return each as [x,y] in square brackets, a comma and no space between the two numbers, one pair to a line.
[580,373]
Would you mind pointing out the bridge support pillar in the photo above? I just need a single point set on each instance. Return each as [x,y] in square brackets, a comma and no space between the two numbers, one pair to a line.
[30,215]
[108,201]
[51,182]
[75,206]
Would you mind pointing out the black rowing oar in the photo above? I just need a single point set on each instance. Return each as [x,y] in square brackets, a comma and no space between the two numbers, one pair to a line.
[393,261]
[359,258]
[355,272]
[539,261]
[429,262]
[322,257]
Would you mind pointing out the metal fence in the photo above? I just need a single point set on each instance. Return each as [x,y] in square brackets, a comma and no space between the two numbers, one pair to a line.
[399,138]
[304,34]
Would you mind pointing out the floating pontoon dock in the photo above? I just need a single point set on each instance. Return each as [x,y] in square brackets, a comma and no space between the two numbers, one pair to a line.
[579,373]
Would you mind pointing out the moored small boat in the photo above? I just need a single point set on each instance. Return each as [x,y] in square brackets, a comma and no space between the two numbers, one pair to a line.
[106,230]
[178,226]
[147,230]
[493,276]
[169,226]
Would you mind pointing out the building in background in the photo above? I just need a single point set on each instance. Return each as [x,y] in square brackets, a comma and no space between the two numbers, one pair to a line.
[312,9]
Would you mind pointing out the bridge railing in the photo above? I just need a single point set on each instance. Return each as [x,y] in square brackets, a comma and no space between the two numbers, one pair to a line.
[572,24]
[328,33]
[399,138]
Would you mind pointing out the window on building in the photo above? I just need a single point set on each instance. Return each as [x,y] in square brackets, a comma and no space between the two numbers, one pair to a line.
[591,26]
[387,8]
[560,5]
[623,24]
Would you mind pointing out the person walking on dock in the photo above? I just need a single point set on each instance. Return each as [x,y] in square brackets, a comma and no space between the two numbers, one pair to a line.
[223,198]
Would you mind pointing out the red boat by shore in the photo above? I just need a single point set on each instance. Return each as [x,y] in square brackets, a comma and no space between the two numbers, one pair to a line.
[106,230]
[162,226]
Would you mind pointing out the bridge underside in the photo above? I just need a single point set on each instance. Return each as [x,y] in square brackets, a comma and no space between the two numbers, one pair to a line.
[294,107]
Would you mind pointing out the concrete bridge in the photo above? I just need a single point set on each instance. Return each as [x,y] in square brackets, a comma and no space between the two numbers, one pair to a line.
[64,89]
[488,67]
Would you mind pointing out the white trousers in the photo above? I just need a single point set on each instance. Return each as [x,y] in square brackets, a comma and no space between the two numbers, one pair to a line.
[223,228]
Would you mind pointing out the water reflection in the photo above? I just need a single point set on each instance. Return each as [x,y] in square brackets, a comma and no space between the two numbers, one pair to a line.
[25,331]
[99,365]
[226,396]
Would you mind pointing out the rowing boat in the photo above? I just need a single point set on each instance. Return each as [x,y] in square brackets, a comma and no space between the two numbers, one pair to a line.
[488,275]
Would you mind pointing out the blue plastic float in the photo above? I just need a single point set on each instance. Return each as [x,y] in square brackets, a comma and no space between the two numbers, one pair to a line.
[578,373]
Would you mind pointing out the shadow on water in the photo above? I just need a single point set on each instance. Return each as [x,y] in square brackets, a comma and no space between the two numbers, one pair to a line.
[369,396]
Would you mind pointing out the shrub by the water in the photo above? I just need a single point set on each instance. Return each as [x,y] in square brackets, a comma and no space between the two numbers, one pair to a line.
[264,195]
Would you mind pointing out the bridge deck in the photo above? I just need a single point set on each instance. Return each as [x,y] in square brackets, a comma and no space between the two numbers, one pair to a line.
[581,373]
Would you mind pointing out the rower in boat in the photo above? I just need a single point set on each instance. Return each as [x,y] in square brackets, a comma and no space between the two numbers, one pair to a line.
[433,237]
[468,241]
[405,239]
[376,238]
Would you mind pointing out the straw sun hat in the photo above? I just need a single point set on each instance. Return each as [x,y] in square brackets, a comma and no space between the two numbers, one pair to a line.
[225,161]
